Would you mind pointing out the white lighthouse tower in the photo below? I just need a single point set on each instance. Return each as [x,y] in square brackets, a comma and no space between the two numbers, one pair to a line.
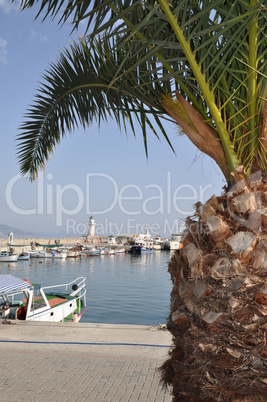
[91,226]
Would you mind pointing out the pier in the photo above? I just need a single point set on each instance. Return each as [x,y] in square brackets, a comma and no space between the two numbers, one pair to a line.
[20,245]
[82,362]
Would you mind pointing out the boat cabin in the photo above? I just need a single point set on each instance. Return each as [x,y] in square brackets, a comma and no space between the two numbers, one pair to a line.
[21,300]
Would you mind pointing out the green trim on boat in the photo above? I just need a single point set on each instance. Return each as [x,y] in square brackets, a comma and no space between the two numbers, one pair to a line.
[77,311]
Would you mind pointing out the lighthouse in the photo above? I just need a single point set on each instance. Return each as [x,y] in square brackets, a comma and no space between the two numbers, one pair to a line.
[91,225]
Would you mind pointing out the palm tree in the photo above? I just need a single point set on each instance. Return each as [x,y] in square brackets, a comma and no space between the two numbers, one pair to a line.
[201,64]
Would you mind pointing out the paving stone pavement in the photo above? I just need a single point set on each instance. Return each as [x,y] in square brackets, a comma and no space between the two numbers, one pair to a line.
[81,362]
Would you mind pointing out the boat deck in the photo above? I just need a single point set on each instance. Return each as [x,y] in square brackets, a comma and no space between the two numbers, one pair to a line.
[54,301]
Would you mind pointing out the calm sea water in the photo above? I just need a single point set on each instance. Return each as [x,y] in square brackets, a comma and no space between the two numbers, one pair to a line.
[121,289]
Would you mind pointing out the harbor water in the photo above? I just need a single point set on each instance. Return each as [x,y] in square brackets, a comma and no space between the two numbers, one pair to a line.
[121,289]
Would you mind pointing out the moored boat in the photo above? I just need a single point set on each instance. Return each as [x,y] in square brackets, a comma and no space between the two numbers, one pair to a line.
[174,243]
[93,252]
[24,256]
[21,300]
[147,250]
[120,250]
[138,250]
[8,256]
[59,254]
[72,253]
[34,254]
[43,254]
[158,243]
[109,251]
[143,240]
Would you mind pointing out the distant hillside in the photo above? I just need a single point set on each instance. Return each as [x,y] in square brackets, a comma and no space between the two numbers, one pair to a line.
[5,230]
[19,233]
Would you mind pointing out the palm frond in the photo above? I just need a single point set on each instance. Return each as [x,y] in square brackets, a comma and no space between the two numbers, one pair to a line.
[88,84]
[204,50]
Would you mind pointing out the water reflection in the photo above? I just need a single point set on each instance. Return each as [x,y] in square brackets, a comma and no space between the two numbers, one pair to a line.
[120,289]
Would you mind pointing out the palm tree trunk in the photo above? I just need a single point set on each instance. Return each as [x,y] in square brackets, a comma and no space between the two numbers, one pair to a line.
[218,315]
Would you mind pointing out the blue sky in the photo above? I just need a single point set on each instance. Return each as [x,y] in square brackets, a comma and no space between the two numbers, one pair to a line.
[100,172]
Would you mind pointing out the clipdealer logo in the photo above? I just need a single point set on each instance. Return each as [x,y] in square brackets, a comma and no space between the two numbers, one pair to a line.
[131,199]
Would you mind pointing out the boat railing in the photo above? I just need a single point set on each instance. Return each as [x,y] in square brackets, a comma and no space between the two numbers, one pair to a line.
[75,288]
[80,293]
[68,287]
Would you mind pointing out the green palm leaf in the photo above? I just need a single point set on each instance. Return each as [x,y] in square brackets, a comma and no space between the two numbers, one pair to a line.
[211,53]
[92,91]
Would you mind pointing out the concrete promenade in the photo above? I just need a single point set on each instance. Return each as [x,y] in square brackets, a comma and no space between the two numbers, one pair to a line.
[81,362]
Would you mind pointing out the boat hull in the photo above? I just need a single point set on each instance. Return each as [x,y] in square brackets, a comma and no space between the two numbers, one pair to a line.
[138,250]
[24,257]
[60,255]
[9,258]
[57,303]
[72,254]
[62,312]
[173,245]
[109,252]
[120,251]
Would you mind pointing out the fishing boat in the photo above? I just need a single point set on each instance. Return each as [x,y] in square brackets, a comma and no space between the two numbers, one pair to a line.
[174,242]
[158,243]
[59,254]
[138,250]
[109,251]
[143,240]
[72,253]
[8,256]
[43,254]
[93,252]
[34,254]
[22,300]
[147,250]
[119,250]
[24,256]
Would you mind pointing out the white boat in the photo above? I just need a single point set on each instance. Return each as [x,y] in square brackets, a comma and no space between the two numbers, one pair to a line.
[24,256]
[158,243]
[143,240]
[59,254]
[94,252]
[174,242]
[8,256]
[109,251]
[72,253]
[147,250]
[119,250]
[43,254]
[34,254]
[138,250]
[21,300]
[39,254]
